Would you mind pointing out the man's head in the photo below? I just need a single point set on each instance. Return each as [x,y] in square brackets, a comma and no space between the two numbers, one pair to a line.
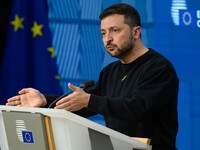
[131,15]
[120,28]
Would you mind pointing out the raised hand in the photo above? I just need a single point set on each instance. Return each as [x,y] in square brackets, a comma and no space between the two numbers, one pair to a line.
[28,97]
[76,101]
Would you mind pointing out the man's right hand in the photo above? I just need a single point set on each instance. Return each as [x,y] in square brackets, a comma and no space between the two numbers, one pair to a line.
[28,97]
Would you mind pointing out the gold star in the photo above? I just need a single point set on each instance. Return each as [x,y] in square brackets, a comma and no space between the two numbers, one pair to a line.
[52,50]
[36,29]
[17,23]
[57,77]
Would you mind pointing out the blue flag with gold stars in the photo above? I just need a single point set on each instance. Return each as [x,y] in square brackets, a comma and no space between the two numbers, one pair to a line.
[29,57]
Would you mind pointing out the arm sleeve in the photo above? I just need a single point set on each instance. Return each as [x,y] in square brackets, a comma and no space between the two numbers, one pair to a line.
[155,90]
[83,112]
[50,99]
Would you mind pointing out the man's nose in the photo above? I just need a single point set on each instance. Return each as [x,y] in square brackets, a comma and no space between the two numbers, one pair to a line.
[108,38]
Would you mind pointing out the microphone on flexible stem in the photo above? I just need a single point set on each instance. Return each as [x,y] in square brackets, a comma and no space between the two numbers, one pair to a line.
[84,85]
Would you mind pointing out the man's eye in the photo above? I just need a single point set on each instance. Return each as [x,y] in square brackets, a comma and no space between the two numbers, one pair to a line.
[103,33]
[115,30]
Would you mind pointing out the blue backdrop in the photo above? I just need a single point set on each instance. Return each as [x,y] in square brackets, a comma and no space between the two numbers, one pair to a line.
[171,27]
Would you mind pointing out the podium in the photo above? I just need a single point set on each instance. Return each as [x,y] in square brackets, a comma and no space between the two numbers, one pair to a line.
[26,127]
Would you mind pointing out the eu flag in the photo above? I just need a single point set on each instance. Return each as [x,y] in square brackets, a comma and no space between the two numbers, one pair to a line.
[29,57]
[27,137]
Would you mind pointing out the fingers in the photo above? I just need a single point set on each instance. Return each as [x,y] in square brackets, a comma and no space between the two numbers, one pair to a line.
[15,98]
[65,100]
[24,91]
[14,101]
[67,106]
[72,87]
[71,96]
[66,103]
[76,101]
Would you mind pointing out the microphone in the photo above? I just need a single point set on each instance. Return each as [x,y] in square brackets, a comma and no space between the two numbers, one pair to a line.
[87,84]
[84,85]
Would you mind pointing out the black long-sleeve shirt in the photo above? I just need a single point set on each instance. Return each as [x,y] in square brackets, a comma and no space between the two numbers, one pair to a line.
[139,99]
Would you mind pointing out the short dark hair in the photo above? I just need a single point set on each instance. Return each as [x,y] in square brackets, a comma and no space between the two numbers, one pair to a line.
[131,15]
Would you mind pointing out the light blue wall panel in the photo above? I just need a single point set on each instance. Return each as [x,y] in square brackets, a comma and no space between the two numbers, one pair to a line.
[90,9]
[66,45]
[92,51]
[63,9]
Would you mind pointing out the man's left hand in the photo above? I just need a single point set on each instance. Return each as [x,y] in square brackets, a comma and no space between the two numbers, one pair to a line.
[76,101]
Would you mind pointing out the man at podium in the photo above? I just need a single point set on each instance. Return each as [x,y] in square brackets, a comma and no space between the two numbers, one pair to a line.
[137,95]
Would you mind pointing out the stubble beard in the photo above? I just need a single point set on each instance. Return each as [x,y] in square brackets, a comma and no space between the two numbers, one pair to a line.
[123,52]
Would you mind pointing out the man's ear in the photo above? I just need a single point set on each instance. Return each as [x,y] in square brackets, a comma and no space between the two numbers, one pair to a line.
[136,32]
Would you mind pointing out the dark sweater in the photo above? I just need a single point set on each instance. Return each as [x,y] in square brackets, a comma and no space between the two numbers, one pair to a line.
[139,99]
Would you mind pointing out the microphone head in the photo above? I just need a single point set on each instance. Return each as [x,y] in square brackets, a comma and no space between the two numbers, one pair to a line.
[87,84]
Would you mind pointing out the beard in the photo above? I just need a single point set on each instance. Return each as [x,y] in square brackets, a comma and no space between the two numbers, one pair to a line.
[124,51]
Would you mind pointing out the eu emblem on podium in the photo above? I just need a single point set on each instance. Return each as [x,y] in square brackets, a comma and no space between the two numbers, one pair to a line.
[27,136]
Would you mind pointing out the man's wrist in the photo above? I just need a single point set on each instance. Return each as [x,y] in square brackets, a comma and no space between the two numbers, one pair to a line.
[44,101]
[88,99]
